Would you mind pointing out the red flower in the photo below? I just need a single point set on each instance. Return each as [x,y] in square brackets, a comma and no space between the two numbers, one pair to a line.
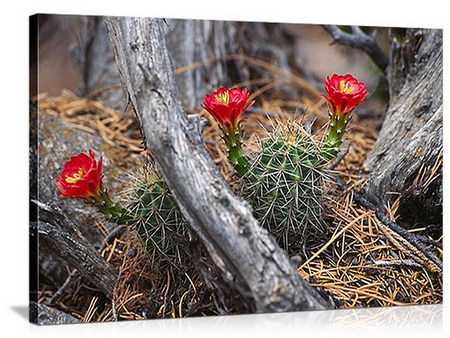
[81,177]
[344,93]
[227,106]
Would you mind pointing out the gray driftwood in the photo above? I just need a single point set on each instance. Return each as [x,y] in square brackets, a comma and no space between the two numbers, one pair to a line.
[189,41]
[193,41]
[411,135]
[247,256]
[93,56]
[67,242]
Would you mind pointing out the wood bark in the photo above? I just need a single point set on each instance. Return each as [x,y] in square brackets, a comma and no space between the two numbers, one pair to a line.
[55,140]
[62,236]
[190,42]
[412,133]
[193,41]
[244,252]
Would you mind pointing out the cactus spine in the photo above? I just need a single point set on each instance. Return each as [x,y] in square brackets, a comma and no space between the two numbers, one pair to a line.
[285,180]
[336,131]
[157,219]
[285,183]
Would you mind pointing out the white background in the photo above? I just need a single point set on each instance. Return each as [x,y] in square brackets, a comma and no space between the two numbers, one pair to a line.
[390,322]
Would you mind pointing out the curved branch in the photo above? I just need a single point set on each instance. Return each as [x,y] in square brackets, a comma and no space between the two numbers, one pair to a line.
[244,252]
[359,39]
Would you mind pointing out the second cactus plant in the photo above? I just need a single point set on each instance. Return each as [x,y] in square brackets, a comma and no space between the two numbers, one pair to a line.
[284,180]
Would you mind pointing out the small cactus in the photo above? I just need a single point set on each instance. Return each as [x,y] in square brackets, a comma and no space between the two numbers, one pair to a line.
[157,219]
[150,208]
[285,183]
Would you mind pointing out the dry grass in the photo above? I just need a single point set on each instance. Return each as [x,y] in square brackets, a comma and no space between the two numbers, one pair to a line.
[117,129]
[359,266]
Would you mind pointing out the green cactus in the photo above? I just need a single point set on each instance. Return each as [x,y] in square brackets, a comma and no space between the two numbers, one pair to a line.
[285,183]
[157,219]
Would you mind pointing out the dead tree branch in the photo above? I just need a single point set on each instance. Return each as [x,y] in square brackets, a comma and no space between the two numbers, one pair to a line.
[244,252]
[63,237]
[358,39]
[411,138]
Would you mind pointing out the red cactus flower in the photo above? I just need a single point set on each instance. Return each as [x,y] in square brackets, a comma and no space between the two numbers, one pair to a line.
[344,94]
[227,106]
[81,177]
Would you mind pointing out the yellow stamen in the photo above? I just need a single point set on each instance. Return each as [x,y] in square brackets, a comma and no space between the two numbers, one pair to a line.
[346,87]
[77,176]
[223,98]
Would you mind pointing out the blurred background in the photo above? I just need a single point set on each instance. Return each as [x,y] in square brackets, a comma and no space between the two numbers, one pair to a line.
[68,43]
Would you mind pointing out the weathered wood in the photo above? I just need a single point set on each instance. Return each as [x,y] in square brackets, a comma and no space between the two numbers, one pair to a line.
[44,315]
[62,236]
[412,132]
[192,41]
[189,41]
[55,141]
[247,256]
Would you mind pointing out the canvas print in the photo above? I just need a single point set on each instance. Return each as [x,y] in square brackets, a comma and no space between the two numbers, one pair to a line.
[184,168]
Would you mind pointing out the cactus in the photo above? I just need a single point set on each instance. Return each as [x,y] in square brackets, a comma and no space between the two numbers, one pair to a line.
[344,94]
[157,219]
[149,206]
[286,179]
[285,183]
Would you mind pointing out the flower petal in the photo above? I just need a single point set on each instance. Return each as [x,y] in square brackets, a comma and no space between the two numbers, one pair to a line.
[81,177]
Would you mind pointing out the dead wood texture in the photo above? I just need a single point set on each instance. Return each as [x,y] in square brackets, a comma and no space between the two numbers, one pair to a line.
[58,233]
[193,41]
[244,252]
[411,137]
[93,56]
